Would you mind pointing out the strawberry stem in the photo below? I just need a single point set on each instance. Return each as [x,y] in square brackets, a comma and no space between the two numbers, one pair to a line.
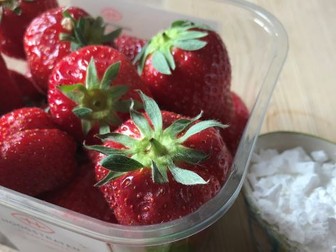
[182,35]
[98,101]
[157,149]
[86,31]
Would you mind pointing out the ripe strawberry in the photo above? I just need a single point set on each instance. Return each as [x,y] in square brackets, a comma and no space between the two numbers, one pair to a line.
[80,195]
[160,166]
[35,161]
[233,134]
[10,95]
[129,45]
[55,34]
[24,119]
[187,69]
[91,88]
[30,94]
[15,17]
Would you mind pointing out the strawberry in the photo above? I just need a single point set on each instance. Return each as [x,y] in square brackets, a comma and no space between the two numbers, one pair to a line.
[16,15]
[35,157]
[36,160]
[129,45]
[90,88]
[10,95]
[81,196]
[56,33]
[187,69]
[24,119]
[160,166]
[233,134]
[30,94]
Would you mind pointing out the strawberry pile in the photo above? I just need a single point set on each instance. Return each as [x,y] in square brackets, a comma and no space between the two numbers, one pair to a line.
[124,129]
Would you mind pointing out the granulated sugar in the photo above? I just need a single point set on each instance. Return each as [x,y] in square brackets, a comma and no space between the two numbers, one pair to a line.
[296,192]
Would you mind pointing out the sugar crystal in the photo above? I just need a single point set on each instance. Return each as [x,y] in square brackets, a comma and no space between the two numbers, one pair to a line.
[296,192]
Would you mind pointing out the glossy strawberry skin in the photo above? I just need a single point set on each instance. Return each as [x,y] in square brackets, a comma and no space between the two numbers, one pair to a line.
[37,160]
[24,119]
[13,26]
[72,70]
[80,195]
[43,46]
[233,133]
[200,82]
[155,203]
[128,45]
[136,200]
[30,94]
[10,95]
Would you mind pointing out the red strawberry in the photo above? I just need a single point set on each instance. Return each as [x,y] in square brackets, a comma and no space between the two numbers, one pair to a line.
[82,196]
[35,157]
[15,17]
[55,34]
[187,69]
[129,45]
[10,95]
[161,166]
[100,81]
[37,160]
[233,133]
[23,119]
[30,94]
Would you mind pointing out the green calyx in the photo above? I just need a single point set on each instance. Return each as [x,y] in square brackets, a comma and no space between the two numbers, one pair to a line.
[86,31]
[98,102]
[180,35]
[159,149]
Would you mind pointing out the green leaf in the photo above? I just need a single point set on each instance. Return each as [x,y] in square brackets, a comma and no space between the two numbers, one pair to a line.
[188,155]
[186,177]
[179,125]
[190,34]
[104,128]
[158,175]
[105,150]
[119,138]
[120,163]
[169,57]
[200,126]
[140,58]
[181,23]
[141,122]
[190,45]
[110,176]
[82,112]
[91,80]
[159,149]
[118,91]
[110,74]
[112,35]
[86,126]
[160,63]
[153,111]
[75,92]
[77,31]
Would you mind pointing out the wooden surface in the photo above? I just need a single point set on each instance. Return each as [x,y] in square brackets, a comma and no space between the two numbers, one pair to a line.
[304,99]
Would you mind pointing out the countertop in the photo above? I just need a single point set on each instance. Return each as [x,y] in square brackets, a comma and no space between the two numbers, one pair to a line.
[302,101]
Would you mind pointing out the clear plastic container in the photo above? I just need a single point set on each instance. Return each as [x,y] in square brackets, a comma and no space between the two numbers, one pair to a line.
[257,45]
